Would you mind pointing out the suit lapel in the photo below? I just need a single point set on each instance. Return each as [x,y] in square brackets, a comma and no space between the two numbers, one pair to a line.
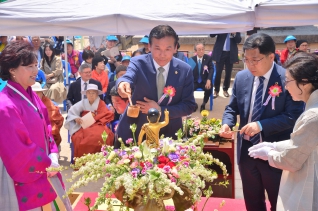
[151,74]
[173,77]
[248,88]
[273,79]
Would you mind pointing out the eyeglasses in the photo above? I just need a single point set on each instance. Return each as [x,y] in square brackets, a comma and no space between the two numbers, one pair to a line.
[286,82]
[88,72]
[252,62]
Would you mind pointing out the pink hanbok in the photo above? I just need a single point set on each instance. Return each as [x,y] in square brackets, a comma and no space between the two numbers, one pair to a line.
[24,147]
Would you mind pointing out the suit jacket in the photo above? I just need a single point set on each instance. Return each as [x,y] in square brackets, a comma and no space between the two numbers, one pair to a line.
[108,98]
[218,47]
[205,62]
[298,157]
[142,75]
[277,124]
[74,92]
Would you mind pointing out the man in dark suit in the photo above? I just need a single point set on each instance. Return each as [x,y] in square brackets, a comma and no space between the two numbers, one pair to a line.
[74,92]
[148,75]
[225,52]
[259,121]
[203,73]
[120,71]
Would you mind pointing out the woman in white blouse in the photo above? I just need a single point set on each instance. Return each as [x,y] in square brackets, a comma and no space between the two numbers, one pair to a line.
[298,157]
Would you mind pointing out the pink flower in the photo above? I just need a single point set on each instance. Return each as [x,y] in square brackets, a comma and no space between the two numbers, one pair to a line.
[125,156]
[107,162]
[129,141]
[170,208]
[134,165]
[174,172]
[166,169]
[121,162]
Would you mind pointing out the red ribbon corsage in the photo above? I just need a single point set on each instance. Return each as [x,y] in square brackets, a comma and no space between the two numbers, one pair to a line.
[273,92]
[168,91]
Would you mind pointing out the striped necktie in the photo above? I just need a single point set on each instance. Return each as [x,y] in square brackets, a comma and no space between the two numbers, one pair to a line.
[199,70]
[160,82]
[85,88]
[257,108]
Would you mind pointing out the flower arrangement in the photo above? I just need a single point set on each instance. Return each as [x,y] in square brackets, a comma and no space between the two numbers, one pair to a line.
[142,177]
[208,127]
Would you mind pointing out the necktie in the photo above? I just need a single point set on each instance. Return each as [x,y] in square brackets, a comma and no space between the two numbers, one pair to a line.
[227,43]
[199,70]
[160,82]
[257,108]
[85,88]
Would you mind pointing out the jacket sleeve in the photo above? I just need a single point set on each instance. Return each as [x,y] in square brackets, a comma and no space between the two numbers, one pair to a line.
[231,110]
[238,37]
[58,67]
[292,154]
[211,69]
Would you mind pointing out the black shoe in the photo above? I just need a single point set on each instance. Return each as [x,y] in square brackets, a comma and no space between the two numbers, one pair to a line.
[226,94]
[202,107]
[215,95]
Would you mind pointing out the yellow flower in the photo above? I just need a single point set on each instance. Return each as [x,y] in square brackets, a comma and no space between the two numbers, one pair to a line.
[205,113]
[213,120]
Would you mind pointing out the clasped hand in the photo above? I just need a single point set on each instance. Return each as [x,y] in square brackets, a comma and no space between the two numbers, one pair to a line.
[261,150]
[145,106]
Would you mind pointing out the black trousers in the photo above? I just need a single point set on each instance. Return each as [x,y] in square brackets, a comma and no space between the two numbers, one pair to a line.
[207,92]
[225,60]
[257,176]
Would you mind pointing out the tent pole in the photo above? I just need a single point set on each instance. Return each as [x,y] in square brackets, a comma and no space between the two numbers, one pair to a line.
[66,61]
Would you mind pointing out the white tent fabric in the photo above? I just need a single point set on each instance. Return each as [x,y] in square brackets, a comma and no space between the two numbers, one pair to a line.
[271,13]
[123,17]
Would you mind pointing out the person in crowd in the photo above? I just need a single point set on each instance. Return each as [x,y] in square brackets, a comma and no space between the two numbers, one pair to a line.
[302,45]
[125,61]
[137,53]
[263,118]
[36,42]
[52,67]
[225,53]
[72,58]
[3,42]
[180,55]
[99,72]
[97,42]
[202,73]
[113,62]
[74,92]
[40,77]
[298,156]
[150,75]
[120,104]
[25,182]
[58,44]
[120,71]
[145,42]
[290,50]
[55,115]
[89,140]
[87,57]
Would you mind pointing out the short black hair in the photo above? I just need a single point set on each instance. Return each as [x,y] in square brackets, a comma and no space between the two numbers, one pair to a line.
[135,52]
[96,60]
[303,67]
[153,115]
[87,54]
[162,31]
[263,42]
[120,68]
[16,53]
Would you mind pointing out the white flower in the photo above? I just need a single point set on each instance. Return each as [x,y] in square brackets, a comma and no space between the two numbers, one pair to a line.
[137,155]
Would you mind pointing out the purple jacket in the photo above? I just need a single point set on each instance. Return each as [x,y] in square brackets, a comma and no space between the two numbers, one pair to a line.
[22,146]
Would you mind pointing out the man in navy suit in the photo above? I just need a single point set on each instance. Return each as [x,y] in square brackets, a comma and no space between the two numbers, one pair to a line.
[271,122]
[225,52]
[203,73]
[147,75]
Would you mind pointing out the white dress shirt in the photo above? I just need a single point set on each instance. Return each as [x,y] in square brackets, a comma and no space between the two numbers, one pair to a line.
[255,86]
[165,73]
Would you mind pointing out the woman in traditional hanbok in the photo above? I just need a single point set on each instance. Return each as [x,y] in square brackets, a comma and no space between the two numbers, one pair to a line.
[89,140]
[26,145]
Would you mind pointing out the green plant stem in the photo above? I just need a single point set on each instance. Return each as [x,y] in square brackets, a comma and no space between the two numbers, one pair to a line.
[206,201]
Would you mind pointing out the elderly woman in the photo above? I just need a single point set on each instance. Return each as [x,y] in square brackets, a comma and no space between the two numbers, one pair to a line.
[99,73]
[55,115]
[52,68]
[26,147]
[298,157]
[89,140]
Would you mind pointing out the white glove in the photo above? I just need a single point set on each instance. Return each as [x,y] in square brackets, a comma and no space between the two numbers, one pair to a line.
[261,153]
[54,163]
[263,144]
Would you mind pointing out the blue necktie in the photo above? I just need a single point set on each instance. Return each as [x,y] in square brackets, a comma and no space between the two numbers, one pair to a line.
[199,70]
[257,109]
